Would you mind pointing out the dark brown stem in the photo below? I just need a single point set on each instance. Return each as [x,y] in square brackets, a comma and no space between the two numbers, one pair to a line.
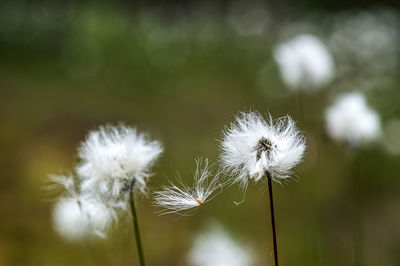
[271,207]
[136,229]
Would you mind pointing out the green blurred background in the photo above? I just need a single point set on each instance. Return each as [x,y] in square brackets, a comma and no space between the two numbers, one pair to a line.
[181,71]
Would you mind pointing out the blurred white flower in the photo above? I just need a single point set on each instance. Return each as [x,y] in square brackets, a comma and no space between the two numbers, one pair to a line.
[179,199]
[253,147]
[115,160]
[366,44]
[76,215]
[350,119]
[305,63]
[215,248]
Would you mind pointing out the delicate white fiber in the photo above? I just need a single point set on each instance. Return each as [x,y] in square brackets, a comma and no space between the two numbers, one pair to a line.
[65,183]
[253,147]
[305,63]
[76,216]
[179,199]
[350,119]
[115,160]
[216,248]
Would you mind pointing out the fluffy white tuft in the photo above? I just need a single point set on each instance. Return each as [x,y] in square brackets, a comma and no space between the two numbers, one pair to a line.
[175,199]
[69,220]
[114,160]
[304,62]
[253,147]
[215,248]
[350,119]
[77,215]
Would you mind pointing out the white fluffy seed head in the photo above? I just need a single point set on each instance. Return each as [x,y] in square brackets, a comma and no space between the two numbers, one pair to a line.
[181,199]
[253,147]
[305,63]
[350,120]
[75,218]
[215,247]
[114,160]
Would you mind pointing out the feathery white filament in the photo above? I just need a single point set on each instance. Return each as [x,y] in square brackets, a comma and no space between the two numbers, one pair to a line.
[78,215]
[175,199]
[304,62]
[66,183]
[114,160]
[215,247]
[253,147]
[350,119]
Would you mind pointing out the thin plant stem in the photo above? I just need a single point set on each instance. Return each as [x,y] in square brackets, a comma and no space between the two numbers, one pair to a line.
[300,105]
[358,237]
[356,193]
[271,207]
[136,229]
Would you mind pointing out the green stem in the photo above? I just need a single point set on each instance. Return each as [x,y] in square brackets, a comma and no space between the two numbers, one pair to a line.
[271,207]
[358,237]
[300,106]
[136,229]
[357,204]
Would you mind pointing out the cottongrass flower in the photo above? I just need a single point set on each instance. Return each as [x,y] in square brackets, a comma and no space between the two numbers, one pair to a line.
[215,247]
[304,63]
[114,163]
[358,55]
[78,215]
[116,160]
[182,199]
[351,120]
[253,147]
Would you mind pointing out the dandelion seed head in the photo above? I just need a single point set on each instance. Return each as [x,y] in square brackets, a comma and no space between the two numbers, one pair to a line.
[304,62]
[253,147]
[115,160]
[350,119]
[181,198]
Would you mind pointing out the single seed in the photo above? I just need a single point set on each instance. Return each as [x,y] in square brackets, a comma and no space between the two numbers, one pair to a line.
[199,201]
